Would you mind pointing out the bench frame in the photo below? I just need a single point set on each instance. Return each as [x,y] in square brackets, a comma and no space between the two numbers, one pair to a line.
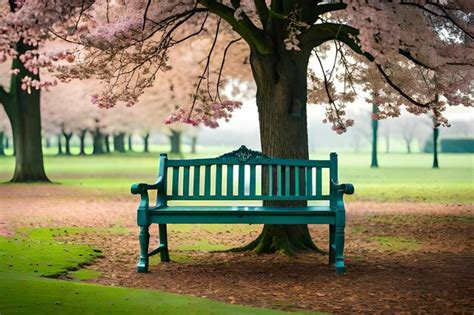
[162,214]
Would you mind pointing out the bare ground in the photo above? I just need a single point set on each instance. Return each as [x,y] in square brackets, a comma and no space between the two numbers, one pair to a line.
[428,270]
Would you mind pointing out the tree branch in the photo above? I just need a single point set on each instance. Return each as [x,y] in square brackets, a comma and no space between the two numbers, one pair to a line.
[400,91]
[254,36]
[320,33]
[262,11]
[408,55]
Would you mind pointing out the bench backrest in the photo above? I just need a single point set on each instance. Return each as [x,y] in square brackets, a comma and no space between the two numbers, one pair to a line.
[246,175]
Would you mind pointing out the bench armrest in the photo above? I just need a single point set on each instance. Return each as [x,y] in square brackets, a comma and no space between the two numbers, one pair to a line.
[347,189]
[142,188]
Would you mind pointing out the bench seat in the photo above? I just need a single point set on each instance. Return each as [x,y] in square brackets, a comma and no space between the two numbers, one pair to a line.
[243,215]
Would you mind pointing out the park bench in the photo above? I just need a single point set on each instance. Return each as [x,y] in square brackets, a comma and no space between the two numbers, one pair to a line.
[232,177]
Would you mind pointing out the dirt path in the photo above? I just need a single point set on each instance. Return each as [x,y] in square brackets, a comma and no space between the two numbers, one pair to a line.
[401,257]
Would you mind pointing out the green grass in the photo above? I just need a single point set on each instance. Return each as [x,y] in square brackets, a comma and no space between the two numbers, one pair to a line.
[37,251]
[33,253]
[396,244]
[26,295]
[401,177]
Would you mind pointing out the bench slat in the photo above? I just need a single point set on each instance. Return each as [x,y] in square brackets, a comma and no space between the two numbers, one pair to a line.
[186,181]
[253,179]
[279,184]
[197,180]
[309,181]
[287,181]
[297,181]
[230,180]
[219,180]
[270,180]
[207,181]
[175,183]
[241,180]
[319,181]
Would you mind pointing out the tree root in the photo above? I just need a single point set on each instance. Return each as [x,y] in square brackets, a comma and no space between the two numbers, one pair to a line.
[284,239]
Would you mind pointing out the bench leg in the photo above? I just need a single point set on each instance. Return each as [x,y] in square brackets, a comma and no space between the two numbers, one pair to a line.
[332,244]
[339,250]
[144,238]
[164,254]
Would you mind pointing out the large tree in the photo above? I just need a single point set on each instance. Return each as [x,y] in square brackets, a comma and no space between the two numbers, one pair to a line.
[129,42]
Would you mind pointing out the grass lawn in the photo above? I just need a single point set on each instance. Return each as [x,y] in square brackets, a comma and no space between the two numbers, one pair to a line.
[33,254]
[401,177]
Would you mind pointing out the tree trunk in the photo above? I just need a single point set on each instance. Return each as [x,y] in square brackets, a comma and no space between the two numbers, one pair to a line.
[119,142]
[7,142]
[23,111]
[175,142]
[60,147]
[82,144]
[408,145]
[97,142]
[67,137]
[130,142]
[107,143]
[435,147]
[2,148]
[375,126]
[47,142]
[281,101]
[193,144]
[146,137]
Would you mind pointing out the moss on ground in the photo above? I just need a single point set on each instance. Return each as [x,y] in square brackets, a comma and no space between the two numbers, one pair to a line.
[29,295]
[37,251]
[396,244]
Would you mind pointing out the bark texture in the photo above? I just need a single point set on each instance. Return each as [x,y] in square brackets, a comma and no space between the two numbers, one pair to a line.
[119,142]
[2,148]
[23,111]
[82,140]
[146,138]
[375,127]
[107,143]
[130,142]
[175,142]
[281,100]
[435,147]
[60,145]
[97,142]
[193,144]
[67,144]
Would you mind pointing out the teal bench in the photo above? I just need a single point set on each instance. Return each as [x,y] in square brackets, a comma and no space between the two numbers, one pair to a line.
[239,177]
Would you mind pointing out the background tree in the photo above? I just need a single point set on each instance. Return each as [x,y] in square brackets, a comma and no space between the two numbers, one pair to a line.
[375,126]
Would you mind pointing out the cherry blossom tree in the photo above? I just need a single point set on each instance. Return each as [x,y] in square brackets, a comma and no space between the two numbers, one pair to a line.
[128,44]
